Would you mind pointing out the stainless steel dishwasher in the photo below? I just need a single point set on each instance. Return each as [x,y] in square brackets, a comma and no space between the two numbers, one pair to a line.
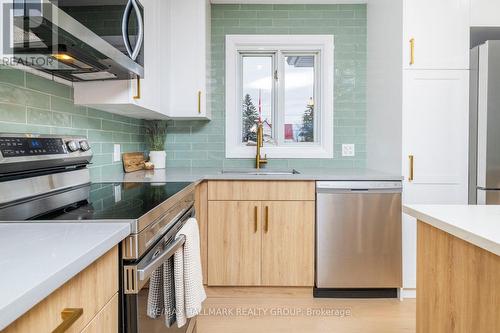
[358,238]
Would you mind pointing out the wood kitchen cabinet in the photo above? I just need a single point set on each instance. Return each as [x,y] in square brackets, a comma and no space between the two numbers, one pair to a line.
[94,291]
[288,243]
[458,284]
[201,209]
[106,320]
[261,242]
[234,243]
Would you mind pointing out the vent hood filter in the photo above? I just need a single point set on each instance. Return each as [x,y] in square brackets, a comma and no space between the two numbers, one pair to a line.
[95,76]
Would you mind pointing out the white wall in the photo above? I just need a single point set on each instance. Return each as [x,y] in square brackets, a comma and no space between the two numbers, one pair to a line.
[484,13]
[384,85]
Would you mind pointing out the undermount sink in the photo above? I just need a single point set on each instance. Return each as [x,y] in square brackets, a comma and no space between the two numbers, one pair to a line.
[261,172]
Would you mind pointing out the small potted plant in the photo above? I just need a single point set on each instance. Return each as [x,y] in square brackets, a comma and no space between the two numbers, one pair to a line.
[156,131]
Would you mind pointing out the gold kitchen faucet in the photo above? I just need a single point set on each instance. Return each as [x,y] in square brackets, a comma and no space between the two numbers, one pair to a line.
[260,143]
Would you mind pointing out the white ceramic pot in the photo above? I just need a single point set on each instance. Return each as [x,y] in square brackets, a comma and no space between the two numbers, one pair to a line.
[158,158]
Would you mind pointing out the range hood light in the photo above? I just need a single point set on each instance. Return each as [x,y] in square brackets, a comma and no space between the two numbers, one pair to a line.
[63,56]
[67,59]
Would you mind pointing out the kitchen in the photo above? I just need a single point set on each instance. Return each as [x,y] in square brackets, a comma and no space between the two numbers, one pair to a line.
[295,133]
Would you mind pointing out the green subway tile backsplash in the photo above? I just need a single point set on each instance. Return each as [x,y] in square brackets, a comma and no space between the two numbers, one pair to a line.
[33,104]
[29,103]
[202,144]
[39,83]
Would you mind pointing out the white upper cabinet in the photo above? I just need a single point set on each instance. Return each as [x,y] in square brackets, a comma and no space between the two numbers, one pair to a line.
[485,13]
[439,32]
[130,97]
[189,41]
[176,55]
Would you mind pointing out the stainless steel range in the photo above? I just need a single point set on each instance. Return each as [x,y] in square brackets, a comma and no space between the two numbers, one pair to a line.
[45,178]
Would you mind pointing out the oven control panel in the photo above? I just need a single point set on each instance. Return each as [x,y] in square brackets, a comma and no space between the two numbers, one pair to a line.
[19,146]
[11,147]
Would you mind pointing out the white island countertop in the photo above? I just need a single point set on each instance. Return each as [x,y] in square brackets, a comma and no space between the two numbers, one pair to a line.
[37,258]
[478,225]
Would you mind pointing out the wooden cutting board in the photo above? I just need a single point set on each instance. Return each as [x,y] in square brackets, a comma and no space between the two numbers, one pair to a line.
[133,161]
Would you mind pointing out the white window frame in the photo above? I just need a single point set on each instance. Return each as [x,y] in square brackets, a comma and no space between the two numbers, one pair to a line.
[323,46]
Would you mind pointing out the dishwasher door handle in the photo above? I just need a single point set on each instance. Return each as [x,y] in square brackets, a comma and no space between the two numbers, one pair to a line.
[359,186]
[358,191]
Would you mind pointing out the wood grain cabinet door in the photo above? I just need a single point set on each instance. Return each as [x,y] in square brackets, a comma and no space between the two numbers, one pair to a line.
[106,320]
[288,243]
[234,243]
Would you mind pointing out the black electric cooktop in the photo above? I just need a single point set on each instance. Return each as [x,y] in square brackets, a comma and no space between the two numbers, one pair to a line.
[114,201]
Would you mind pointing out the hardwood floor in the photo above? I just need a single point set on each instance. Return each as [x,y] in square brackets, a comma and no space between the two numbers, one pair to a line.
[292,313]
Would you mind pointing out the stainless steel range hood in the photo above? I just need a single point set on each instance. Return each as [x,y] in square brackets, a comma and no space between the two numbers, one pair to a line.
[47,38]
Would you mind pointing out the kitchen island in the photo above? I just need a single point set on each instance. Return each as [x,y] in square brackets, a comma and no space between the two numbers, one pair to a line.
[458,268]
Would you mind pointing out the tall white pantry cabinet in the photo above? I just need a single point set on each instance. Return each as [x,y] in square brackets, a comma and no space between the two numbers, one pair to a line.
[435,111]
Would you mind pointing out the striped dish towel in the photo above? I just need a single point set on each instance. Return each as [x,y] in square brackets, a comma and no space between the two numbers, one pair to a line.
[188,280]
[161,295]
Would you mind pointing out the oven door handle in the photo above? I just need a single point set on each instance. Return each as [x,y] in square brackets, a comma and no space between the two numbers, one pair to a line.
[145,272]
[136,276]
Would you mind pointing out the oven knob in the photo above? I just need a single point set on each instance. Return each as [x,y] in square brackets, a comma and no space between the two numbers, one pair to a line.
[73,145]
[84,145]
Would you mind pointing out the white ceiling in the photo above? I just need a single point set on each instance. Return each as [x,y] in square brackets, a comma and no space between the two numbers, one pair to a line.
[289,1]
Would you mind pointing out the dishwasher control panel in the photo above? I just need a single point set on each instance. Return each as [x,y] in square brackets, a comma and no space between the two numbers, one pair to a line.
[359,185]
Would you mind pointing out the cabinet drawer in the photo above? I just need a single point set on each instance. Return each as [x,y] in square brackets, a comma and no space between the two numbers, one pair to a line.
[90,290]
[106,320]
[261,190]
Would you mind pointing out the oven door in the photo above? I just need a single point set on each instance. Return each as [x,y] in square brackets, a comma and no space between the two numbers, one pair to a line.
[135,286]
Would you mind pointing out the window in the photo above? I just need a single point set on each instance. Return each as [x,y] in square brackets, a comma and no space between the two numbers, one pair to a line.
[286,83]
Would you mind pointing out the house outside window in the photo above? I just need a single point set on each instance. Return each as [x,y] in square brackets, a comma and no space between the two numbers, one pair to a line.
[286,83]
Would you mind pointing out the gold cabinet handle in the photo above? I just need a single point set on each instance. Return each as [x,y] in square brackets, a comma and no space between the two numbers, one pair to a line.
[410,176]
[266,228]
[412,51]
[69,316]
[256,218]
[138,96]
[199,101]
